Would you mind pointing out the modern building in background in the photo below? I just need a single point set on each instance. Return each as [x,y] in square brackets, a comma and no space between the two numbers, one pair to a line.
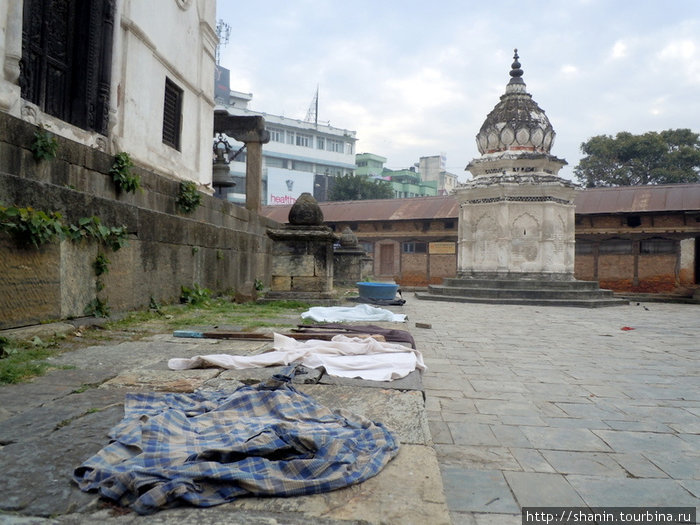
[433,169]
[302,155]
[370,165]
[409,183]
[406,183]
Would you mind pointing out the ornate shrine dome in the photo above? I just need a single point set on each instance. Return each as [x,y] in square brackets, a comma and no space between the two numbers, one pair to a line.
[517,123]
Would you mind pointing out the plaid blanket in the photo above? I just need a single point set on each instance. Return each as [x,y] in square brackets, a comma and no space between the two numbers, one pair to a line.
[208,448]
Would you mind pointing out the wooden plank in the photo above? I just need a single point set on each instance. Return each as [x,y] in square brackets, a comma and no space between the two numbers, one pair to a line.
[257,336]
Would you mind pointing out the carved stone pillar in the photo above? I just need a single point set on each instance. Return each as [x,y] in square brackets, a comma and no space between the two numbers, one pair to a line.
[253,176]
[251,131]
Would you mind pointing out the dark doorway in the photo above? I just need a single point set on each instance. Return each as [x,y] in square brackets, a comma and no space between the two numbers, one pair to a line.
[67,59]
[697,260]
[386,259]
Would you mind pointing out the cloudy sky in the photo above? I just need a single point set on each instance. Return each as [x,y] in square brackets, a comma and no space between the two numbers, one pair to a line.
[416,78]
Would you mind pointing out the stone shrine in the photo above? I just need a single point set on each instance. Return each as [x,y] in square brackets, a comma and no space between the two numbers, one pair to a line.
[350,262]
[302,255]
[516,220]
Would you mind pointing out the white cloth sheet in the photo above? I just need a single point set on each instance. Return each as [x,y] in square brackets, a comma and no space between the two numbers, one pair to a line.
[360,312]
[343,356]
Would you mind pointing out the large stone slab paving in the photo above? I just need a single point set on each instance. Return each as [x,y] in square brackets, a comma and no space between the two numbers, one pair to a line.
[162,380]
[677,466]
[470,490]
[41,421]
[402,412]
[472,434]
[252,376]
[624,441]
[122,356]
[36,473]
[477,457]
[531,460]
[407,491]
[411,382]
[637,466]
[609,492]
[187,515]
[580,439]
[536,489]
[55,384]
[591,463]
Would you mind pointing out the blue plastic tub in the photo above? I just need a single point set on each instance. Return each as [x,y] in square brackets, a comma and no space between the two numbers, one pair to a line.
[377,291]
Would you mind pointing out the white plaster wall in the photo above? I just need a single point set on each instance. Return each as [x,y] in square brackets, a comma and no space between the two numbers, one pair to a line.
[159,39]
[10,54]
[152,39]
[687,257]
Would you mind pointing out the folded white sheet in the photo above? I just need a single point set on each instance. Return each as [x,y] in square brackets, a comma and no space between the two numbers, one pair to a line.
[343,356]
[360,312]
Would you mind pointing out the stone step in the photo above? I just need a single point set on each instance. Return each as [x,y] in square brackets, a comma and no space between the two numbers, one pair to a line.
[505,293]
[582,303]
[521,284]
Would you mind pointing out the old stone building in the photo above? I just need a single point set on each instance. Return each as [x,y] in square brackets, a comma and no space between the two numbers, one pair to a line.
[641,239]
[94,79]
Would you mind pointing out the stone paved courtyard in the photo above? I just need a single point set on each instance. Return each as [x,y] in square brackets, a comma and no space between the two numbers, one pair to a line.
[547,406]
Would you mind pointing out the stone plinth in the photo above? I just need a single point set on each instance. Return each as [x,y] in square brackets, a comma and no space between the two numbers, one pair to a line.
[514,225]
[350,262]
[302,255]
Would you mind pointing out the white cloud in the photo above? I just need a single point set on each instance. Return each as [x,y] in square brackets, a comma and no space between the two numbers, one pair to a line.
[619,50]
[681,56]
[415,80]
[569,70]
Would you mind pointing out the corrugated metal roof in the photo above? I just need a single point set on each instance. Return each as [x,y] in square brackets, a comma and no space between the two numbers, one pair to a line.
[443,207]
[639,199]
[623,199]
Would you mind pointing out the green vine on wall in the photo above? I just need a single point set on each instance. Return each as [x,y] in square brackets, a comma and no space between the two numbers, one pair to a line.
[188,198]
[30,227]
[97,308]
[91,228]
[194,296]
[101,264]
[45,145]
[121,173]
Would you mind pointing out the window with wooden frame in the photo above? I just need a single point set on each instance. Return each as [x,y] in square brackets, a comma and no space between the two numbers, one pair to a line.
[172,114]
[67,59]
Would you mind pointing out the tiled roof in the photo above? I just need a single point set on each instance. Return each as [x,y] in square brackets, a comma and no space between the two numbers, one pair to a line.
[443,207]
[623,199]
[639,199]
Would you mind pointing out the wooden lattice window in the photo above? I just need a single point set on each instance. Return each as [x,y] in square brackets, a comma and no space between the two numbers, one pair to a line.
[67,59]
[172,114]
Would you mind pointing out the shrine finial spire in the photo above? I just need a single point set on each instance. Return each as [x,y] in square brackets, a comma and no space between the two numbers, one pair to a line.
[515,72]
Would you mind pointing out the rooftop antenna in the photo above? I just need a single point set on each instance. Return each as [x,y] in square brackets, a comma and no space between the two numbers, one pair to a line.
[312,113]
[223,31]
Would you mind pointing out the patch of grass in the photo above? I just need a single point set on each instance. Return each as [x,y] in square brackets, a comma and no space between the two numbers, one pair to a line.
[20,364]
[21,360]
[196,295]
[220,311]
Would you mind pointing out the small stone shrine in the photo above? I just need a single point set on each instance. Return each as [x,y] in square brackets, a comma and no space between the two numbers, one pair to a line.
[350,262]
[302,255]
[516,221]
